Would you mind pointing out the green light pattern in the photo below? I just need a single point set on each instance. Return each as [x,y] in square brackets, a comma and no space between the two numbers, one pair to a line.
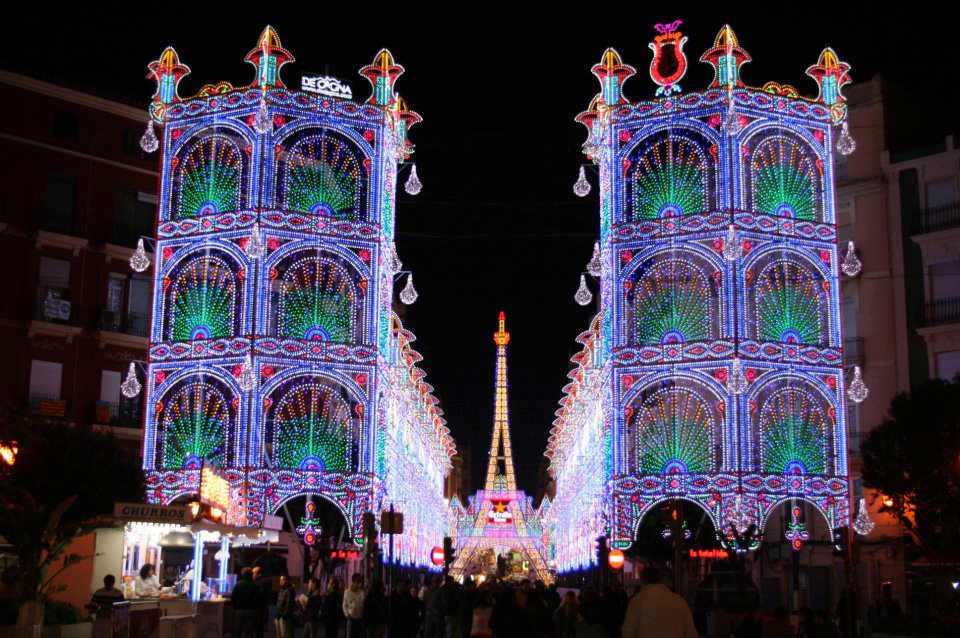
[789,305]
[195,426]
[785,180]
[672,304]
[670,175]
[202,301]
[321,177]
[674,425]
[317,301]
[311,423]
[209,178]
[792,427]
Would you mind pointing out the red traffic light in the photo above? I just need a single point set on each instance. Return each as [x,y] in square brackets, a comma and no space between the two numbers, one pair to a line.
[437,556]
[616,559]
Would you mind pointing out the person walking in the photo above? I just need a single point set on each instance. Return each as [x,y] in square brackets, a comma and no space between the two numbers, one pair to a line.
[311,609]
[657,611]
[286,600]
[245,599]
[565,616]
[375,611]
[265,585]
[433,626]
[353,607]
[331,611]
[482,610]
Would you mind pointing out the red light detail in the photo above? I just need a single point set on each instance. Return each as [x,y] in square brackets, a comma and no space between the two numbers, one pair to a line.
[437,556]
[616,559]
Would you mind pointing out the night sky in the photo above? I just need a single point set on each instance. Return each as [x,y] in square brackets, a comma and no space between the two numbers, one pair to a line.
[496,226]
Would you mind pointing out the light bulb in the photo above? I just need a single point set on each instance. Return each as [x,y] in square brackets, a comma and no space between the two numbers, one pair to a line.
[581,188]
[130,386]
[262,123]
[409,294]
[851,264]
[394,259]
[148,141]
[413,184]
[862,525]
[139,261]
[858,390]
[255,248]
[583,295]
[736,381]
[595,265]
[845,142]
[731,121]
[731,245]
[247,379]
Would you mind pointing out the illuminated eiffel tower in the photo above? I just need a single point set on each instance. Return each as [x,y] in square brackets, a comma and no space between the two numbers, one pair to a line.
[500,517]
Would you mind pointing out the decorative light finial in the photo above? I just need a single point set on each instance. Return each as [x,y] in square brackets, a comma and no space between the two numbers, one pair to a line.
[858,390]
[595,265]
[737,382]
[731,245]
[845,142]
[581,188]
[862,525]
[413,185]
[409,294]
[739,517]
[583,295]
[851,263]
[248,378]
[669,63]
[139,261]
[130,386]
[148,141]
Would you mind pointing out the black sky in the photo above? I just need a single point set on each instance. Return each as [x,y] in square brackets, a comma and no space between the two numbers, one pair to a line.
[497,225]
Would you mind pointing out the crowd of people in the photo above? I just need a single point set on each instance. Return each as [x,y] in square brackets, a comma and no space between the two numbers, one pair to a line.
[444,608]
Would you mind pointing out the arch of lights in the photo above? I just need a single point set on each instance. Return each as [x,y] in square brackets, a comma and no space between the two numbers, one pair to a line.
[274,351]
[713,371]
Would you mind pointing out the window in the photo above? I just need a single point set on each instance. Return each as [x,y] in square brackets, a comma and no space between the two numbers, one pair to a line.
[45,377]
[59,203]
[948,364]
[941,192]
[138,306]
[66,126]
[133,216]
[53,290]
[110,316]
[945,280]
[110,387]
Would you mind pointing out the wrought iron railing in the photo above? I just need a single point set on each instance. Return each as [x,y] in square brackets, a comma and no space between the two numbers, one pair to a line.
[939,312]
[931,220]
[131,323]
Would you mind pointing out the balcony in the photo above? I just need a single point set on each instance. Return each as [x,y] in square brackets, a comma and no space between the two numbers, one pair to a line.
[53,305]
[853,351]
[49,405]
[125,413]
[130,323]
[938,218]
[939,312]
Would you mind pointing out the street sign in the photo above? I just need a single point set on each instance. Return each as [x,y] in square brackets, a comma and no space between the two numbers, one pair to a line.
[391,522]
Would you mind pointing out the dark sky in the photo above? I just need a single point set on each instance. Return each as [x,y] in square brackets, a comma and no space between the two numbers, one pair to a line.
[497,225]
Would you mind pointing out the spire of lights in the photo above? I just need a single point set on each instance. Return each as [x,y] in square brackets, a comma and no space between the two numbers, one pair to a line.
[736,381]
[148,141]
[851,264]
[845,142]
[863,525]
[247,378]
[858,390]
[409,294]
[130,386]
[595,265]
[583,295]
[581,188]
[255,247]
[731,245]
[139,261]
[413,185]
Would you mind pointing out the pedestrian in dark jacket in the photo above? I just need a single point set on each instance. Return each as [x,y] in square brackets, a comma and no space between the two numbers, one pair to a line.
[311,609]
[331,610]
[286,600]
[245,599]
[265,584]
[375,611]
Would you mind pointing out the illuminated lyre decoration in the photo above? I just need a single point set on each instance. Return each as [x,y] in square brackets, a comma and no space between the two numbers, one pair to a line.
[581,188]
[862,525]
[851,263]
[595,265]
[131,386]
[139,261]
[500,515]
[583,296]
[413,186]
[796,531]
[713,358]
[274,348]
[309,527]
[858,391]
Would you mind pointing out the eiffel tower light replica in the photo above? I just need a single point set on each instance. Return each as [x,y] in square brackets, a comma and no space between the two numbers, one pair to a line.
[501,517]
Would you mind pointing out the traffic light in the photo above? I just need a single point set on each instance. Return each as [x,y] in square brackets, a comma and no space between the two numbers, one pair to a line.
[449,555]
[841,541]
[603,551]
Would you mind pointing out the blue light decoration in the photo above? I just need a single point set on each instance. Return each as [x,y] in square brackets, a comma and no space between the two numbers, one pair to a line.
[649,415]
[337,407]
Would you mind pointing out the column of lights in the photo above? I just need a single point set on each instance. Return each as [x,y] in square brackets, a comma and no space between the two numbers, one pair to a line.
[661,161]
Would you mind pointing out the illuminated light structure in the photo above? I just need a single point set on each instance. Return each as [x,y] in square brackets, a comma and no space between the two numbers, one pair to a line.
[274,352]
[649,409]
[501,517]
